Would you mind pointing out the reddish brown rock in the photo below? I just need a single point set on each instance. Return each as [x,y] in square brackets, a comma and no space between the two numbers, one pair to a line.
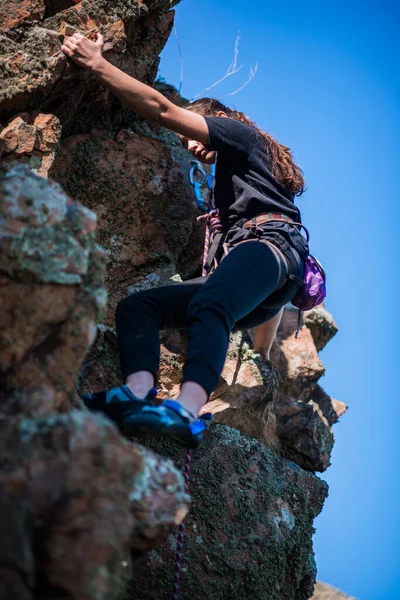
[322,591]
[147,220]
[246,397]
[331,408]
[74,498]
[100,369]
[48,131]
[321,324]
[51,292]
[304,433]
[31,139]
[18,136]
[35,73]
[296,360]
[14,13]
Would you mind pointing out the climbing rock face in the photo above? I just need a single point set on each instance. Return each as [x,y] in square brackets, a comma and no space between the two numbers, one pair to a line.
[136,186]
[298,364]
[304,433]
[74,498]
[74,495]
[35,73]
[15,13]
[249,530]
[51,292]
[135,177]
[248,396]
[279,403]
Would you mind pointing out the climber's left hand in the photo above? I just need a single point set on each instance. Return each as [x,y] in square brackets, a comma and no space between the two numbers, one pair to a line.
[82,51]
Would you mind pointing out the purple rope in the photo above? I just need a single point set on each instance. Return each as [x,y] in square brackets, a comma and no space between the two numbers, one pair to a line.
[181,533]
[213,223]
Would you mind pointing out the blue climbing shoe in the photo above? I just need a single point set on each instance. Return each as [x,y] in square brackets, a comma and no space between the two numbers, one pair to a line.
[117,402]
[168,420]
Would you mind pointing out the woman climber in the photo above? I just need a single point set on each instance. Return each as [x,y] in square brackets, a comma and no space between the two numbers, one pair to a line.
[255,185]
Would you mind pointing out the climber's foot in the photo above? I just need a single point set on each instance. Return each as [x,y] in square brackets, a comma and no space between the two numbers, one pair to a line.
[169,420]
[117,402]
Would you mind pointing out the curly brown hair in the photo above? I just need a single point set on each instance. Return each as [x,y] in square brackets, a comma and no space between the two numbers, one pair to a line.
[283,167]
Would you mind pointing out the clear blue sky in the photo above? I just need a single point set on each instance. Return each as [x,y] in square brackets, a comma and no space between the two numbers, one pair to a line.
[328,86]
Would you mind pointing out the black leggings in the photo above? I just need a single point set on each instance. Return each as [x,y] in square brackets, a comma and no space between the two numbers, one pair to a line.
[241,293]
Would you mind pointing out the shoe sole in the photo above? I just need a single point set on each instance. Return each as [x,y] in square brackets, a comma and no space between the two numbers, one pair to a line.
[142,427]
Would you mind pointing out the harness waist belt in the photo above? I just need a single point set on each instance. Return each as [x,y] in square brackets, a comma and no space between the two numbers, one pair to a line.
[265,217]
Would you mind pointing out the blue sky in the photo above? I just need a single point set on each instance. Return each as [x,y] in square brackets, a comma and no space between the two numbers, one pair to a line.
[328,86]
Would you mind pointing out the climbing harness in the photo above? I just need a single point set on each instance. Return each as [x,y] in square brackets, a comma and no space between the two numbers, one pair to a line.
[312,288]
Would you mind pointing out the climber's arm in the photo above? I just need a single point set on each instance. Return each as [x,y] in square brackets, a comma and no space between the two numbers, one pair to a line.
[141,98]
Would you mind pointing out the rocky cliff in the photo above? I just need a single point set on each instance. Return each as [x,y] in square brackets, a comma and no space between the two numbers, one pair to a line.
[78,501]
[326,592]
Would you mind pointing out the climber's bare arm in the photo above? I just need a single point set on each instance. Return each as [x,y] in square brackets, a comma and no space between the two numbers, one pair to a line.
[141,98]
[265,335]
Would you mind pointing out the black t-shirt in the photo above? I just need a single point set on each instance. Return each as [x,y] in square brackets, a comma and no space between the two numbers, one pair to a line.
[244,185]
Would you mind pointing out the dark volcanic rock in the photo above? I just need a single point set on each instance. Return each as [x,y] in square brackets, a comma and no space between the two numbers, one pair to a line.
[304,433]
[249,530]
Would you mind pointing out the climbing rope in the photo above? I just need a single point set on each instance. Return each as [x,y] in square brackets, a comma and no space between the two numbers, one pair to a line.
[181,529]
[213,224]
[181,532]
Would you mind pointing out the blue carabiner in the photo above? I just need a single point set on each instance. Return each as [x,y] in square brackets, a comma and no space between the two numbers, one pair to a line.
[197,168]
[211,177]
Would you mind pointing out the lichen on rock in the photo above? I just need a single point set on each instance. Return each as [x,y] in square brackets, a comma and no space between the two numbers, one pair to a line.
[249,530]
[52,291]
[88,496]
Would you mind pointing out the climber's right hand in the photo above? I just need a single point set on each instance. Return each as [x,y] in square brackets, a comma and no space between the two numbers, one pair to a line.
[82,51]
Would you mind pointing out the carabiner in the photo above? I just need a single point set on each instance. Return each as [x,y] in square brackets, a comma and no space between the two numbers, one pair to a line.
[194,169]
